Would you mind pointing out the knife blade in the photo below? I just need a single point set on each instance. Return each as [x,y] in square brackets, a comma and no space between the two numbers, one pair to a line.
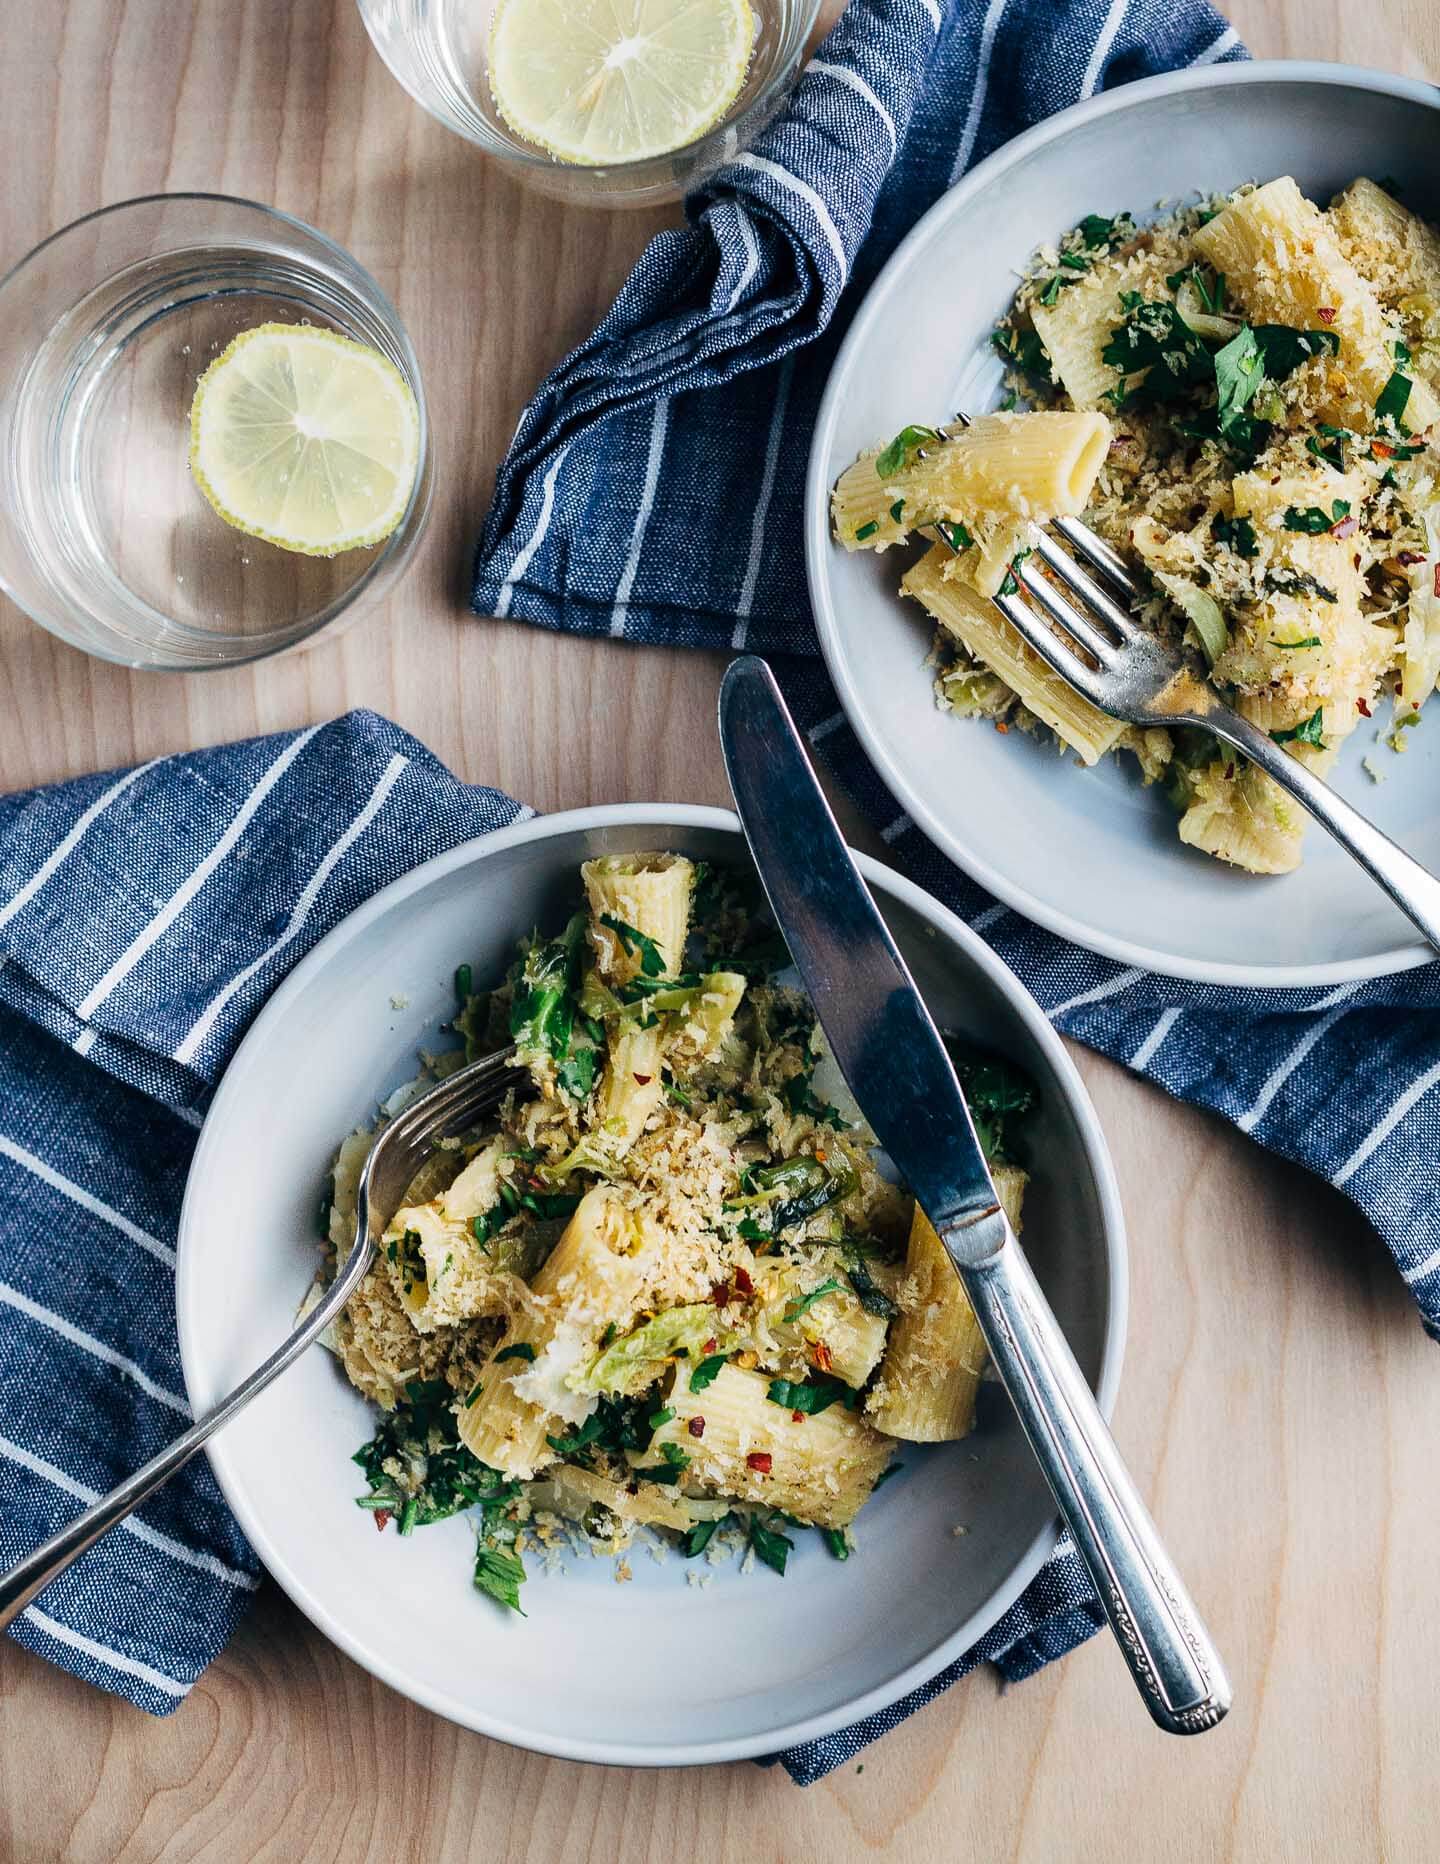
[874,1018]
[891,1054]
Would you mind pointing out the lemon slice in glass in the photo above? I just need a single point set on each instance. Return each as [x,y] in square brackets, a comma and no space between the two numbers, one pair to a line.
[305,438]
[601,81]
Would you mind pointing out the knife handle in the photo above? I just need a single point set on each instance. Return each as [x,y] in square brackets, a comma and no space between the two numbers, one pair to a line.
[1175,1665]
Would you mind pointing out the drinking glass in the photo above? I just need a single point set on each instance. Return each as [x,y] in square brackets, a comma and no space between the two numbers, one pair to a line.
[439,50]
[104,331]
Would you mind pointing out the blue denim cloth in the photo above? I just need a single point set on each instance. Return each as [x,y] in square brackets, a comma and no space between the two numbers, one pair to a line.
[144,917]
[629,506]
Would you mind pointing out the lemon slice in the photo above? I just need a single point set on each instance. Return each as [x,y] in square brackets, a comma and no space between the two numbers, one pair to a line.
[599,81]
[306,439]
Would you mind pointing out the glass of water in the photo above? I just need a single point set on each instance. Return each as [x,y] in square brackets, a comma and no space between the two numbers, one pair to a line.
[439,50]
[104,331]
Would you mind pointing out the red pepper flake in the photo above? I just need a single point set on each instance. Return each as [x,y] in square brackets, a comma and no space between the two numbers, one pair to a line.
[761,1461]
[643,1080]
[743,1283]
[1326,313]
[1347,527]
[720,1293]
[710,1346]
[696,1427]
[1380,451]
[1408,557]
[1356,559]
[1437,580]
[797,1417]
[1362,707]
[1002,728]
[822,1355]
[382,1515]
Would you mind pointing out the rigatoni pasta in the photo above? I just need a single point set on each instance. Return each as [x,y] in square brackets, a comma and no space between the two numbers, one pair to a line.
[659,1291]
[1268,373]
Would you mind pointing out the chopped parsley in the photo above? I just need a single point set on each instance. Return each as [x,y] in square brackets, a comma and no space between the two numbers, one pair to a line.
[1310,640]
[866,530]
[997,1093]
[1154,339]
[1334,454]
[774,1549]
[1023,350]
[700,1536]
[674,1462]
[1011,584]
[955,535]
[638,944]
[464,984]
[897,510]
[811,1396]
[703,1376]
[1096,231]
[499,1574]
[872,1298]
[794,1309]
[838,1541]
[901,451]
[420,1437]
[1312,731]
[1312,520]
[1392,401]
[1238,534]
[522,1349]
[800,1097]
[1297,582]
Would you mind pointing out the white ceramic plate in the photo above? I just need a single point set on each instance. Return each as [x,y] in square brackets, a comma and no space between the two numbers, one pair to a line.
[656,1671]
[1091,854]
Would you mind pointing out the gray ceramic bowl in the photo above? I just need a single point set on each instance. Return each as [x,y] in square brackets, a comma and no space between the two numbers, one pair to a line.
[1091,854]
[654,1672]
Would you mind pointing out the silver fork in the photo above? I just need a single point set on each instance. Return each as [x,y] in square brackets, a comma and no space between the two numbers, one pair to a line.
[449,1108]
[1124,670]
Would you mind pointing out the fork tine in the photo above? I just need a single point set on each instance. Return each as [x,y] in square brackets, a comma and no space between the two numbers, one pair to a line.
[1076,623]
[1081,585]
[1098,554]
[1037,633]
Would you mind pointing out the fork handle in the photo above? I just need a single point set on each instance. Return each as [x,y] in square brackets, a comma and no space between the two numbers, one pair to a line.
[1414,889]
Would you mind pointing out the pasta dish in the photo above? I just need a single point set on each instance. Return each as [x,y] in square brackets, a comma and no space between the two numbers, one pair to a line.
[666,1288]
[1242,399]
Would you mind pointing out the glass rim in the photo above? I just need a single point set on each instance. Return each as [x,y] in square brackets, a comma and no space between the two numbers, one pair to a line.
[395,549]
[617,172]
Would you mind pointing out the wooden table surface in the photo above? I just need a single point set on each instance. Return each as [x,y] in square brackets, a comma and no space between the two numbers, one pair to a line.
[1279,1405]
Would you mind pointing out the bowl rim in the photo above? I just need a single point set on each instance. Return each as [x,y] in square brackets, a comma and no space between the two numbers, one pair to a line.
[769,1740]
[989,173]
[397,548]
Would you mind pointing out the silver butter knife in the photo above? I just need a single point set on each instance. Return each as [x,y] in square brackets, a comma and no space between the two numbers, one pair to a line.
[892,1056]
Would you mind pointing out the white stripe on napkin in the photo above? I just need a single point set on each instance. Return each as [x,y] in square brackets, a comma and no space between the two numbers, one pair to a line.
[764,166]
[63,847]
[977,96]
[752,252]
[1108,989]
[1249,1120]
[762,504]
[86,1200]
[1113,20]
[142,1530]
[57,1323]
[842,74]
[1379,1134]
[205,1022]
[183,895]
[620,614]
[527,550]
[1422,1269]
[1227,42]
[1150,1047]
[117,1660]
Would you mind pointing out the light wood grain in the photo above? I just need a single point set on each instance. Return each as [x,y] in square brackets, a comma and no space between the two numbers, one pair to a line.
[1279,1403]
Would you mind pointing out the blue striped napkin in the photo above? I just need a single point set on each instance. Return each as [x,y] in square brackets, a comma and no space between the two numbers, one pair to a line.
[144,917]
